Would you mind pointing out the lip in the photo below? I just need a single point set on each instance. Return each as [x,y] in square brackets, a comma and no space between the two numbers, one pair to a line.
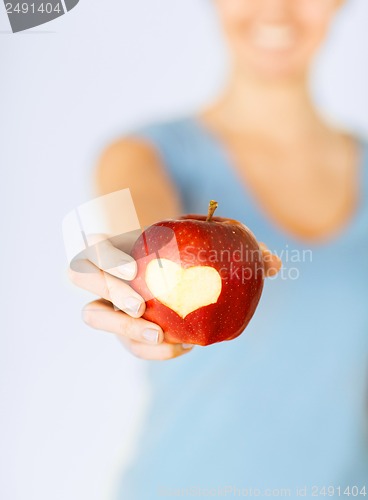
[273,37]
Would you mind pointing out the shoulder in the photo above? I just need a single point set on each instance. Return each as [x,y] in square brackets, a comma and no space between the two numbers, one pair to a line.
[126,158]
[133,161]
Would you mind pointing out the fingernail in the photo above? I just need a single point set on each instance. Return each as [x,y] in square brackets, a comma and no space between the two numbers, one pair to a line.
[131,305]
[128,269]
[150,335]
[187,346]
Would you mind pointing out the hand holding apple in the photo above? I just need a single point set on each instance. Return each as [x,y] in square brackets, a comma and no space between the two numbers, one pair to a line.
[201,277]
[143,338]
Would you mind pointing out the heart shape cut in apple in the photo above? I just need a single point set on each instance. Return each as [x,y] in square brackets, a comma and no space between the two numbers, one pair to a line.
[183,290]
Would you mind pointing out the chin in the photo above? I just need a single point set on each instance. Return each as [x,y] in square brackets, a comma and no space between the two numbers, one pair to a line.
[274,65]
[276,72]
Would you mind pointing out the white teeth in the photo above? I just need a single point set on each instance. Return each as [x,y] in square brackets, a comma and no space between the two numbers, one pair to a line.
[273,37]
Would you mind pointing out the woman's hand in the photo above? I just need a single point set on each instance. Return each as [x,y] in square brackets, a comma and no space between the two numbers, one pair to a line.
[120,309]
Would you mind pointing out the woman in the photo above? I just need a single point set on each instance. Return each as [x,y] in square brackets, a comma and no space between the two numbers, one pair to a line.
[283,407]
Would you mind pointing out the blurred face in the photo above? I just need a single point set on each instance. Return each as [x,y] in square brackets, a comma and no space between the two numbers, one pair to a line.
[275,38]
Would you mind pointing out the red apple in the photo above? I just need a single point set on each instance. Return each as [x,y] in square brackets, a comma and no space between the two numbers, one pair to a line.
[201,277]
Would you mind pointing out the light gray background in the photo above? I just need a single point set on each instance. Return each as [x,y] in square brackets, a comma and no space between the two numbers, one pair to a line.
[70,396]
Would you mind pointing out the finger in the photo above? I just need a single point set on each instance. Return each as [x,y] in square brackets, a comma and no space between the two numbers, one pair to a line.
[105,256]
[272,263]
[100,315]
[161,352]
[110,288]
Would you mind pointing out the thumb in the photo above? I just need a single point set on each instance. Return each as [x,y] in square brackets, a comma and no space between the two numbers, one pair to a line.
[103,254]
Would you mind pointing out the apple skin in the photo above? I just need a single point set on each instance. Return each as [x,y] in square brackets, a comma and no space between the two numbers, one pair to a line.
[195,238]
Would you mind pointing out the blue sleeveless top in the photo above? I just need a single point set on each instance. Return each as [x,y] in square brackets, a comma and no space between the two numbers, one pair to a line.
[284,406]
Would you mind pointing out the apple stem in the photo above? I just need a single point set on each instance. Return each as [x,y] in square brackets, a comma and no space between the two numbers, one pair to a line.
[211,210]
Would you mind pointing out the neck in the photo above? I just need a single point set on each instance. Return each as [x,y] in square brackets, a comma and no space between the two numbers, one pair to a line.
[281,109]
